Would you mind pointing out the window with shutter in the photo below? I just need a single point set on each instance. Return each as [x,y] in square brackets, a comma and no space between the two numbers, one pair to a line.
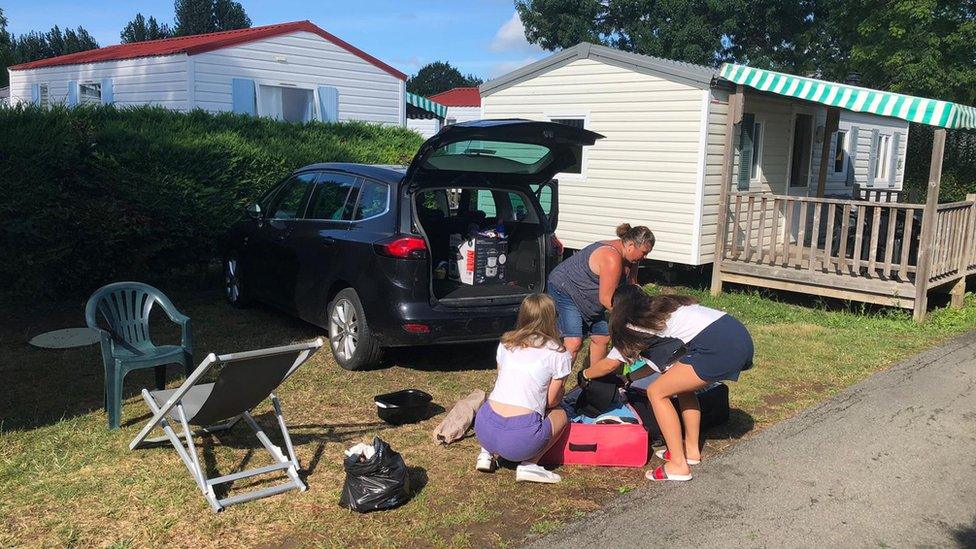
[747,131]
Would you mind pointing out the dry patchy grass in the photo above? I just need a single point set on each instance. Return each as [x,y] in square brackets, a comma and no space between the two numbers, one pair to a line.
[67,481]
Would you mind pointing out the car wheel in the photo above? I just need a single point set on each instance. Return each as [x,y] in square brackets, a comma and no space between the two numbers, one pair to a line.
[233,289]
[353,345]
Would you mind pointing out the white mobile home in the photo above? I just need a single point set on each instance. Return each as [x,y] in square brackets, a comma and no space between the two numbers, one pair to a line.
[290,71]
[661,161]
[424,116]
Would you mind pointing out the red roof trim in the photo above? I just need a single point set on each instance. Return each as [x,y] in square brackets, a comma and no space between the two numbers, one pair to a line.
[458,97]
[201,43]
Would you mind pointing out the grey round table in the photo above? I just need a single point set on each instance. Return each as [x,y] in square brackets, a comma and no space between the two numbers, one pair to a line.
[67,338]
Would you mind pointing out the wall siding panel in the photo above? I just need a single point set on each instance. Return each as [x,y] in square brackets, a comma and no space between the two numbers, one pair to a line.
[365,92]
[644,172]
[157,81]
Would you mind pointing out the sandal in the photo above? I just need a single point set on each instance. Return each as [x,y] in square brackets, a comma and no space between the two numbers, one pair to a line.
[665,454]
[659,473]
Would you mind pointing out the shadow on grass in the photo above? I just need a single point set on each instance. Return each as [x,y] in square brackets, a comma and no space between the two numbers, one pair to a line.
[45,386]
[443,358]
[740,423]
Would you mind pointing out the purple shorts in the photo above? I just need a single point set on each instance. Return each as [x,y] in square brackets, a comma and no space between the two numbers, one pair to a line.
[515,438]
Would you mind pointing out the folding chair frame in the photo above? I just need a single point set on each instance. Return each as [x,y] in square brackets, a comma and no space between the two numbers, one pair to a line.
[187,450]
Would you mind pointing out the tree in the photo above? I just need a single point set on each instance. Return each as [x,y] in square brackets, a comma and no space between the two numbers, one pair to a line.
[697,31]
[437,77]
[37,45]
[229,15]
[140,30]
[6,50]
[917,47]
[206,16]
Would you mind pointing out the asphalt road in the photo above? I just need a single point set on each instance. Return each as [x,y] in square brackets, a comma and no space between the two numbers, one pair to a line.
[889,462]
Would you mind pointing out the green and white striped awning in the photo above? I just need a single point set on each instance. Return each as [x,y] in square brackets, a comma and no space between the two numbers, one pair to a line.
[422,102]
[914,109]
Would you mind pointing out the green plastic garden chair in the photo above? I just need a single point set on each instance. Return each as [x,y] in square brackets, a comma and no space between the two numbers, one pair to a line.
[126,345]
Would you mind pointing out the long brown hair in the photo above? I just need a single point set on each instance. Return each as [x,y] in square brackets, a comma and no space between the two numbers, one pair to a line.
[632,305]
[536,325]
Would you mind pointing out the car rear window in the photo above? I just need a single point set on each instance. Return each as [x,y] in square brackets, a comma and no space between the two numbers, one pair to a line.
[491,157]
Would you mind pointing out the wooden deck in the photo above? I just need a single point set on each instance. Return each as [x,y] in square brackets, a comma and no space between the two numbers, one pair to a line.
[862,250]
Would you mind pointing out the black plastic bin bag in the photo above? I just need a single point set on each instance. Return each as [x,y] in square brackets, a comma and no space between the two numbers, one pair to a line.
[380,482]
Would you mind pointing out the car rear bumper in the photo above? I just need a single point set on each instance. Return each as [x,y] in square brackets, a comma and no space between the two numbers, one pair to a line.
[420,324]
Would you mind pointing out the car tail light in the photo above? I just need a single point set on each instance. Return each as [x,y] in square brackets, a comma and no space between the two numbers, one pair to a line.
[557,246]
[402,247]
[416,328]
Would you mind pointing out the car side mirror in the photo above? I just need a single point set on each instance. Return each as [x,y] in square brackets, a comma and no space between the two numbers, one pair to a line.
[253,211]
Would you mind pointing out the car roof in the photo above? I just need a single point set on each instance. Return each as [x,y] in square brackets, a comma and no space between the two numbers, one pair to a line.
[386,173]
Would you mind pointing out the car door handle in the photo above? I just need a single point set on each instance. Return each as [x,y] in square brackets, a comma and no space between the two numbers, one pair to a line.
[328,241]
[279,238]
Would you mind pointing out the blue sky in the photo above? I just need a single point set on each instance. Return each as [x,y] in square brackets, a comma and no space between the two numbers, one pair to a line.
[483,37]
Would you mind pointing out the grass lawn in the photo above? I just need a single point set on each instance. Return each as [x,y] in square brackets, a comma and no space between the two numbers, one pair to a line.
[66,480]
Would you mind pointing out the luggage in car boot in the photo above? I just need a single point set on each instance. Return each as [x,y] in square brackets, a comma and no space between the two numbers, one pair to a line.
[479,259]
[609,445]
[713,400]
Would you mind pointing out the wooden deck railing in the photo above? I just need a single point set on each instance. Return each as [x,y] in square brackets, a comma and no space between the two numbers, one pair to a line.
[954,249]
[856,239]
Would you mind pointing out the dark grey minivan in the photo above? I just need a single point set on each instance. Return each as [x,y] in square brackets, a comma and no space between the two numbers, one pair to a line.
[359,250]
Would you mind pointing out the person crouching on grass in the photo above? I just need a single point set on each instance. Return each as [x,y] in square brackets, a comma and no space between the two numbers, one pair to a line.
[521,418]
[718,346]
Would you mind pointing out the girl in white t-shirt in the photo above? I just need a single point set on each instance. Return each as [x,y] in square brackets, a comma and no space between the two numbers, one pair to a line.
[718,347]
[521,418]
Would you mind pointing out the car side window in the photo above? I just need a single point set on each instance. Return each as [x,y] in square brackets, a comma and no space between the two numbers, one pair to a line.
[373,200]
[289,202]
[508,205]
[334,198]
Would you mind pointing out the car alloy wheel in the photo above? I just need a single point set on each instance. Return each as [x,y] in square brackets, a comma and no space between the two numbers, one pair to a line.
[344,329]
[232,282]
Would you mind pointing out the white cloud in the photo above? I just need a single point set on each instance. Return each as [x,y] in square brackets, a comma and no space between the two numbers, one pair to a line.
[511,37]
[504,67]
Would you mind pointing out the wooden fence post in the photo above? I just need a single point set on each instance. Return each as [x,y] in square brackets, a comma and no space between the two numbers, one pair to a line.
[925,252]
[733,118]
[958,293]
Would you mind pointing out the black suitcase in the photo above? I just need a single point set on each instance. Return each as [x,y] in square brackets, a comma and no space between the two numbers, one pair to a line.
[713,399]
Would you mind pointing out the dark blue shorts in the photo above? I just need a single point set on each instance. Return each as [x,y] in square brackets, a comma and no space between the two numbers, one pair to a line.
[721,351]
[571,321]
[515,438]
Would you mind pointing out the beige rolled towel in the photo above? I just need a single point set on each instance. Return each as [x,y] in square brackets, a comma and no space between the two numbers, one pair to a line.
[459,420]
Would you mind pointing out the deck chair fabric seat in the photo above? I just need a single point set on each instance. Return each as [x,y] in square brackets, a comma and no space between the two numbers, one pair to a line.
[244,381]
[192,401]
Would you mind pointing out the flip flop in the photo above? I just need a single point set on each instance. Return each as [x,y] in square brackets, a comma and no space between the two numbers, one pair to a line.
[665,454]
[659,473]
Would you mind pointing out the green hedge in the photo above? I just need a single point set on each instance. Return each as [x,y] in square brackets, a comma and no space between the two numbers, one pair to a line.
[92,195]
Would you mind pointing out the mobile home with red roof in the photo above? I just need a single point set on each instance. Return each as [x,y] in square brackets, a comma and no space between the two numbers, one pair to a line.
[463,104]
[290,71]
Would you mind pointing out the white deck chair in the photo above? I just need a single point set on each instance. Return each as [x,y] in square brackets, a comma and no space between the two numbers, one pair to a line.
[244,381]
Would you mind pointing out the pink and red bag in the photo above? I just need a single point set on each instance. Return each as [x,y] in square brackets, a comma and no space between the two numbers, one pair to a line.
[601,444]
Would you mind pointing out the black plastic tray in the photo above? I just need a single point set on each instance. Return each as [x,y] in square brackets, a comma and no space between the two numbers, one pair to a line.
[406,406]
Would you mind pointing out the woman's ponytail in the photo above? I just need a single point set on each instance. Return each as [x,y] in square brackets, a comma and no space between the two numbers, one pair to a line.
[639,235]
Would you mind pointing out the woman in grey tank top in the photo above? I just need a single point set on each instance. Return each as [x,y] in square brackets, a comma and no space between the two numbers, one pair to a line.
[583,286]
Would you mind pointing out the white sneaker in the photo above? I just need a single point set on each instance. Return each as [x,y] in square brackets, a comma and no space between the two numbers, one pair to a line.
[486,462]
[530,472]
